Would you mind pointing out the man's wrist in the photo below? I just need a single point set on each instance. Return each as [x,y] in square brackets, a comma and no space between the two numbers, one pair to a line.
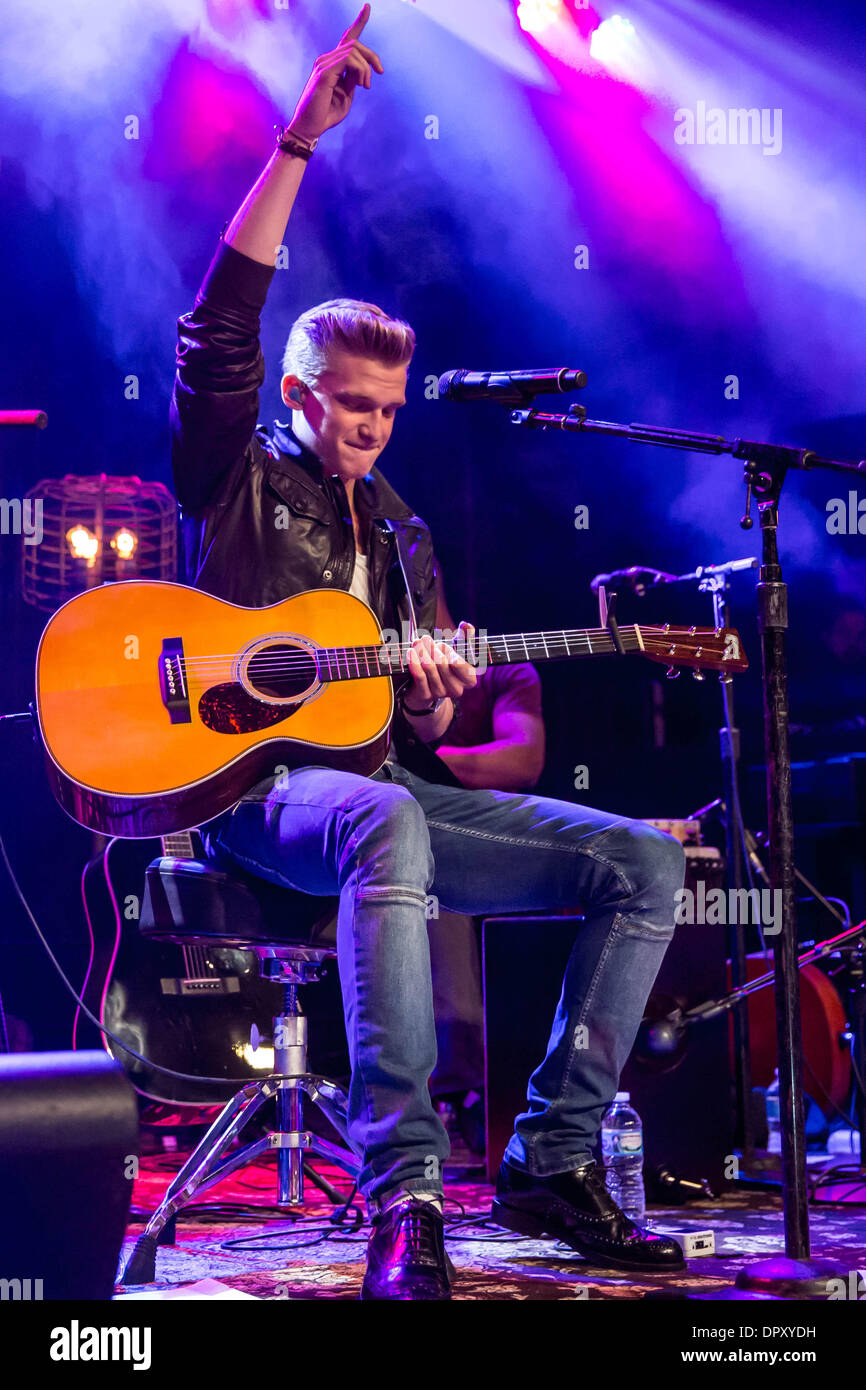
[432,725]
[292,142]
[426,710]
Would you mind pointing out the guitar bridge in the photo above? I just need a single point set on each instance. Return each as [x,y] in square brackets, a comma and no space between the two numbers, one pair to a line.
[172,681]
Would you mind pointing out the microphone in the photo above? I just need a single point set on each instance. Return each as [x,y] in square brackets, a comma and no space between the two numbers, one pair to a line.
[509,388]
[677,1190]
[636,577]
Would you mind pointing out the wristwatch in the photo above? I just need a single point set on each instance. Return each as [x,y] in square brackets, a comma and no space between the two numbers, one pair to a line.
[428,709]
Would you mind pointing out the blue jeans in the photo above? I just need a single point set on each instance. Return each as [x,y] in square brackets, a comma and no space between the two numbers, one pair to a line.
[383,844]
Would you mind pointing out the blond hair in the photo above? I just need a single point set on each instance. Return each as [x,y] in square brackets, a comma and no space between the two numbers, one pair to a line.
[357,327]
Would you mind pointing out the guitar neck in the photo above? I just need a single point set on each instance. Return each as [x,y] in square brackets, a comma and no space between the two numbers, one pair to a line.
[352,663]
[555,645]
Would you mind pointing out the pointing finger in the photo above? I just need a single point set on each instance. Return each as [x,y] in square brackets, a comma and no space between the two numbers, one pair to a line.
[355,30]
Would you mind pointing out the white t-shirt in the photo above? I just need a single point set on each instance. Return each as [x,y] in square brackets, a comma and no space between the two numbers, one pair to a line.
[360,587]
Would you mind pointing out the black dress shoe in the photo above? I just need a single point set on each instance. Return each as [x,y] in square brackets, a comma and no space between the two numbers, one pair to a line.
[576,1208]
[406,1255]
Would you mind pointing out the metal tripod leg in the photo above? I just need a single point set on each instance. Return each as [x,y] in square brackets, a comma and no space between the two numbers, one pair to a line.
[208,1163]
[201,1171]
[290,1058]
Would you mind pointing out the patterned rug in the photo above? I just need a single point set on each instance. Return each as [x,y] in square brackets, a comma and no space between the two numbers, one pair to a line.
[236,1236]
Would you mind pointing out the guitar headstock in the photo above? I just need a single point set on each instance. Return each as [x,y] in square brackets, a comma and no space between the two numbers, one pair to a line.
[702,648]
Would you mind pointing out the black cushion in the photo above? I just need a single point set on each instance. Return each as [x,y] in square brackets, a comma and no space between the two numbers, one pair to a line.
[190,900]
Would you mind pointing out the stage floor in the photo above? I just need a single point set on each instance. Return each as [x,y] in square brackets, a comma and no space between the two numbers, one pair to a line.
[236,1236]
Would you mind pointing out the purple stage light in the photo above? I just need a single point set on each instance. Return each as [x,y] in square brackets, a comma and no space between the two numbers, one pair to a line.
[611,40]
[534,16]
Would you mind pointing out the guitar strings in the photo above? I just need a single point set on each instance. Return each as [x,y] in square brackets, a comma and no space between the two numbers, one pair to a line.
[540,644]
[336,658]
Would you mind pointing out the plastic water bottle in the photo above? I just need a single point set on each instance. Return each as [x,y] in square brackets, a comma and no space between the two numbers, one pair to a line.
[774,1128]
[622,1151]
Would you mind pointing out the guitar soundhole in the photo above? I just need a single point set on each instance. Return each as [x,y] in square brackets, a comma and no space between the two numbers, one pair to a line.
[281,671]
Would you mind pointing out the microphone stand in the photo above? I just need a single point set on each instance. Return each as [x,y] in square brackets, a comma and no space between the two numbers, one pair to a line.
[716,581]
[764,472]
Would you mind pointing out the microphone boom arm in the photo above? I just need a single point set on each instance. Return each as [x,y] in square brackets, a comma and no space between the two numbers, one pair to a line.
[771,456]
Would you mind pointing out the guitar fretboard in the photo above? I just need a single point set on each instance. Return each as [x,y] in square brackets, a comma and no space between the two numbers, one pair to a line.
[359,663]
[179,845]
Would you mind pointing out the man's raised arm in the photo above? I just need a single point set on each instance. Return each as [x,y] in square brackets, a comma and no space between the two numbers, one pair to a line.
[259,224]
[220,368]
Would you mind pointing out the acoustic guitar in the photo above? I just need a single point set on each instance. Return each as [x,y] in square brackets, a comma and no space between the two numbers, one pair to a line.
[160,706]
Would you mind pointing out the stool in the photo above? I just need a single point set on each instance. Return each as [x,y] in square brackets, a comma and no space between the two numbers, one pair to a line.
[192,902]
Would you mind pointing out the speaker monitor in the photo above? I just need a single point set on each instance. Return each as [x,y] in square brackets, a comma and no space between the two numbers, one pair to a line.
[68,1155]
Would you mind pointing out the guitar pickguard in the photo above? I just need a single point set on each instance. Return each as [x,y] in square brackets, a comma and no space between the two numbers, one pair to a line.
[229,709]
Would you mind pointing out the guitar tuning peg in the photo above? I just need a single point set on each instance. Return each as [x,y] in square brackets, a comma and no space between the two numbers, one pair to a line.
[671,673]
[697,675]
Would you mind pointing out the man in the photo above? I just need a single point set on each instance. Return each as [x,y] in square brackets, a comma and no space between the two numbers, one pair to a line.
[269,516]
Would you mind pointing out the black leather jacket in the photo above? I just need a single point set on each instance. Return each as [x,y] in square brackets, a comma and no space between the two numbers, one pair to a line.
[260,519]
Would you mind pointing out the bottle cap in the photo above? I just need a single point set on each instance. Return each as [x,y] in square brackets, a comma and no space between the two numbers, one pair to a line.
[622,1095]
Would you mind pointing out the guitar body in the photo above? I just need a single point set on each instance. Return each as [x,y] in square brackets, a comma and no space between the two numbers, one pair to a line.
[160,705]
[191,1010]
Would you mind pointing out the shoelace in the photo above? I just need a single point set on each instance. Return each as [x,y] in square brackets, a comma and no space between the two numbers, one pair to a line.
[420,1234]
[592,1179]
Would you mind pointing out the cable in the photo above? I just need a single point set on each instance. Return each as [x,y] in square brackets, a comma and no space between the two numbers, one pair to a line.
[334,1232]
[737,812]
[3,1029]
[814,1081]
[846,917]
[456,1228]
[490,1233]
[835,1173]
[856,1071]
[92,956]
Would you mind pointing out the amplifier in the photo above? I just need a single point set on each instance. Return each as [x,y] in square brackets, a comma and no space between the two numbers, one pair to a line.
[684,1100]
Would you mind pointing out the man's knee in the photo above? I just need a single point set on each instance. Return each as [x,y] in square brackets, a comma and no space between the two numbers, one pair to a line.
[657,872]
[648,859]
[392,806]
[388,824]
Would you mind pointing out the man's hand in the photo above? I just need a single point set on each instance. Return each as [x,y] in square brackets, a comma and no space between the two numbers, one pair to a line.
[326,99]
[437,671]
